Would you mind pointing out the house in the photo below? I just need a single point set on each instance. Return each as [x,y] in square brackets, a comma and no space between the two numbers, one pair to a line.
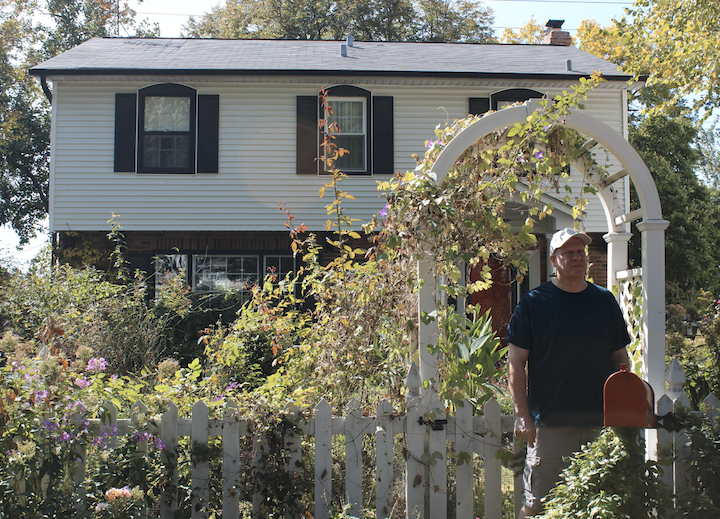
[195,143]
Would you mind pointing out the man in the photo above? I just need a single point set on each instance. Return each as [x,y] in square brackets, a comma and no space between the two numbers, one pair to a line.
[571,335]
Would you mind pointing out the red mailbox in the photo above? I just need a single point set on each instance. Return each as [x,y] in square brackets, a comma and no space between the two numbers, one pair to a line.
[629,401]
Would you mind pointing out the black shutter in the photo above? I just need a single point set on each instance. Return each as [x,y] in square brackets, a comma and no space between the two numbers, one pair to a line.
[125,127]
[479,105]
[383,150]
[208,133]
[307,135]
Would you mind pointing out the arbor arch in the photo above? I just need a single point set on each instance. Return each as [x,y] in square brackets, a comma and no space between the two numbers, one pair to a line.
[652,227]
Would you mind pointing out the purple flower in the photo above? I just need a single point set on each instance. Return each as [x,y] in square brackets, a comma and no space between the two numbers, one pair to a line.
[430,143]
[385,209]
[66,436]
[159,444]
[41,395]
[50,425]
[520,159]
[142,436]
[539,155]
[82,383]
[95,364]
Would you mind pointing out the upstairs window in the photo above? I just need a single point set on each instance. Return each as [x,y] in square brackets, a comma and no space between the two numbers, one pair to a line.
[167,132]
[366,130]
[166,128]
[346,121]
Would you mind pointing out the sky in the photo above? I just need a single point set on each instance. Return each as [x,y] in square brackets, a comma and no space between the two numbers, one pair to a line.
[172,14]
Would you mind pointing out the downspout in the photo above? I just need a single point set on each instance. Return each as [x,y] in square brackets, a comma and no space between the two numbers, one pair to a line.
[45,87]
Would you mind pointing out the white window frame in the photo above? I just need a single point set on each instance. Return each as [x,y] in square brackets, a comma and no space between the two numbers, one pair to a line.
[364,166]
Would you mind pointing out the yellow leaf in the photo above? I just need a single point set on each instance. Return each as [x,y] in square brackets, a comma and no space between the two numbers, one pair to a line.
[322,191]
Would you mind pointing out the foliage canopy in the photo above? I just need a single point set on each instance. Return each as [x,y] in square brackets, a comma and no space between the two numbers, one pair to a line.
[459,21]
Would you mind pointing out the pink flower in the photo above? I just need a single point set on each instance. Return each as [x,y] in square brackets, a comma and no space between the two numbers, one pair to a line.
[95,364]
[100,507]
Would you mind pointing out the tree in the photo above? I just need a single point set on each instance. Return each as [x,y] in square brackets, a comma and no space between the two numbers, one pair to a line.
[692,244]
[367,20]
[671,147]
[24,110]
[532,32]
[24,127]
[675,43]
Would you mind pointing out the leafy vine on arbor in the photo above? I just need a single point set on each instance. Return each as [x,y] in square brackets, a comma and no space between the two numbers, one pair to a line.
[463,217]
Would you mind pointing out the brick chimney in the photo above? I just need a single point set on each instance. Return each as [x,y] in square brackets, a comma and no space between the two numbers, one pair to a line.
[554,35]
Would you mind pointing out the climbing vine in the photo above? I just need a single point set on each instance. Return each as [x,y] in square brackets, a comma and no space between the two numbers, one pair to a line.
[464,216]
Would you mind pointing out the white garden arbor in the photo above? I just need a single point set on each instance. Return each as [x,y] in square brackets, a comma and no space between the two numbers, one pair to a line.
[652,227]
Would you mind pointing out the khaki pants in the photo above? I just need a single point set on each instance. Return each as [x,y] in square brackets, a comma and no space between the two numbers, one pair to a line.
[548,457]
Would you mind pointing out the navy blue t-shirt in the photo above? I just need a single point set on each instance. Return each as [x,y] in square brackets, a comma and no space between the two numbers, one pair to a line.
[570,337]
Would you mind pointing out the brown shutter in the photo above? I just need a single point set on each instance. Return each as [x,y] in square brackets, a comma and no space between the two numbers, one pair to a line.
[383,146]
[125,128]
[307,135]
[479,105]
[208,133]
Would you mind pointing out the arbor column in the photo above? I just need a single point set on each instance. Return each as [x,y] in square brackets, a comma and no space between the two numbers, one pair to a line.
[428,332]
[653,303]
[617,254]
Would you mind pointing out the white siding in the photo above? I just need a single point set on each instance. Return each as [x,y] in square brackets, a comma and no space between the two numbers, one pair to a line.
[257,155]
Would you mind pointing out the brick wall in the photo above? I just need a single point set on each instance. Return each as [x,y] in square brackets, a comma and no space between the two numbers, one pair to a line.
[598,259]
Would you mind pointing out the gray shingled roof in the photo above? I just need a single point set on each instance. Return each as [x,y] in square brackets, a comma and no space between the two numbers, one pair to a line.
[100,56]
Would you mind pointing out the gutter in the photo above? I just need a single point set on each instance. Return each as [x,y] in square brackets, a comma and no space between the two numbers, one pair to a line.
[45,87]
[348,73]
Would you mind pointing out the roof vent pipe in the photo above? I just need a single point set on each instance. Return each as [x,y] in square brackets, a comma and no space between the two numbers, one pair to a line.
[350,40]
[343,50]
[569,65]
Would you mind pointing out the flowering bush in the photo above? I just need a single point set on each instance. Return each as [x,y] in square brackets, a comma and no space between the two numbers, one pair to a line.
[121,503]
[49,436]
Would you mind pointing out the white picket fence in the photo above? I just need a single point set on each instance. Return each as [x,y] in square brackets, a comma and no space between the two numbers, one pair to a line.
[479,434]
[426,485]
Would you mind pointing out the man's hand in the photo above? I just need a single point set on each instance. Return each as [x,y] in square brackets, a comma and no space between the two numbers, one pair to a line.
[524,424]
[525,429]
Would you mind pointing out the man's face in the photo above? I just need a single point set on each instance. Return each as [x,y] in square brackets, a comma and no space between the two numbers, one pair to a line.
[570,260]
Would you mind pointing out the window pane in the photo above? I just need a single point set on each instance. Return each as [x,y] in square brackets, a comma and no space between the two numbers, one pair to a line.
[216,273]
[167,114]
[279,266]
[167,151]
[355,160]
[168,266]
[349,116]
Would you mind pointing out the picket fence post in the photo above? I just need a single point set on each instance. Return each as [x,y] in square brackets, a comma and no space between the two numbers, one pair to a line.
[464,450]
[415,445]
[169,457]
[323,459]
[200,431]
[384,439]
[231,462]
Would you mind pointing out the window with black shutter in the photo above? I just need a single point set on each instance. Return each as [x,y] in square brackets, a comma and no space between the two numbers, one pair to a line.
[361,123]
[167,128]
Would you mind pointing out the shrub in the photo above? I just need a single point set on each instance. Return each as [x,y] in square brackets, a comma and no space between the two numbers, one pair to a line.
[609,479]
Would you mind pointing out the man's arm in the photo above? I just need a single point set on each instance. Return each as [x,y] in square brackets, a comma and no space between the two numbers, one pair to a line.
[517,383]
[620,357]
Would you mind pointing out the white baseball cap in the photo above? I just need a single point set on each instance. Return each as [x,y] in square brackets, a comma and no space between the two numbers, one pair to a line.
[561,237]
